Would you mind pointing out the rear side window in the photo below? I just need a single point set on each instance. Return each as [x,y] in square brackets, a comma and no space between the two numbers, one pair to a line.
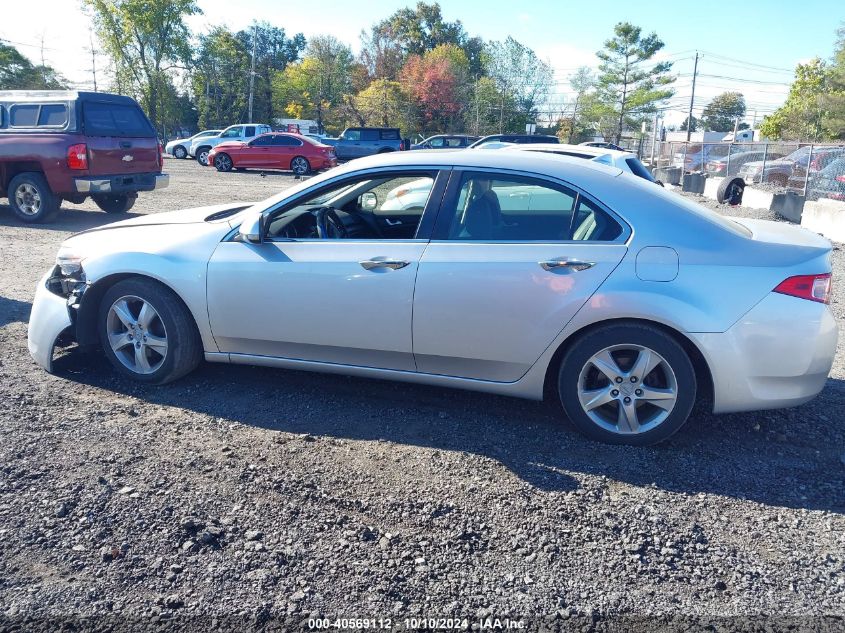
[115,119]
[23,115]
[390,135]
[52,115]
[286,141]
[250,130]
[369,135]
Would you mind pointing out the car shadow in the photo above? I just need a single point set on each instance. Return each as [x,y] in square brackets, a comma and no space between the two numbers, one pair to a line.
[762,457]
[68,219]
[12,310]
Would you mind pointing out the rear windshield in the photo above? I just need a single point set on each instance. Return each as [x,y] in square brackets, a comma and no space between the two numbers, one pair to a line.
[114,119]
[639,169]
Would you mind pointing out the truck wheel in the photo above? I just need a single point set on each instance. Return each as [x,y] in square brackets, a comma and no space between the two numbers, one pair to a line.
[300,166]
[180,152]
[31,198]
[202,156]
[115,204]
[730,191]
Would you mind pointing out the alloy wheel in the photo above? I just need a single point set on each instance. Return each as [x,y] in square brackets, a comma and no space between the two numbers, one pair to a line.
[627,389]
[28,199]
[136,334]
[223,163]
[203,157]
[299,165]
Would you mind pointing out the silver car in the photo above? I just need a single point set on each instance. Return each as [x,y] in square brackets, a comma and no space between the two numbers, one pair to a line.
[522,274]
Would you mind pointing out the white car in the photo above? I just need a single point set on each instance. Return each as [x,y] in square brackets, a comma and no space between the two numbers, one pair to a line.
[178,148]
[626,161]
[202,146]
[522,278]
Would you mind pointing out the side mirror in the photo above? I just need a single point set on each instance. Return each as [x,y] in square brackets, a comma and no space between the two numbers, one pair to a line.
[252,230]
[369,201]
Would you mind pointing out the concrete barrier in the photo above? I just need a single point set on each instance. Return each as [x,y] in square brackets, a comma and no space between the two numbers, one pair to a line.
[788,205]
[825,216]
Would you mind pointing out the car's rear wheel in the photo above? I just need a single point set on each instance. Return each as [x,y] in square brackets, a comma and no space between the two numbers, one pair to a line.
[147,333]
[223,162]
[31,198]
[115,203]
[180,152]
[627,384]
[202,156]
[300,166]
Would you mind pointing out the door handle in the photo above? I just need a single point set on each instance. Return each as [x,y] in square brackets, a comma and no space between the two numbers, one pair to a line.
[564,262]
[394,264]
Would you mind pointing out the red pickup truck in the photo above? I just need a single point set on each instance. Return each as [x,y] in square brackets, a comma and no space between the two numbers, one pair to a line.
[57,145]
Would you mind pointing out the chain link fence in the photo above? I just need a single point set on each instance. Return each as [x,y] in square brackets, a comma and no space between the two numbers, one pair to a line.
[815,170]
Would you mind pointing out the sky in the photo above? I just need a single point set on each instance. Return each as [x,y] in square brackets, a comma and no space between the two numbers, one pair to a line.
[750,46]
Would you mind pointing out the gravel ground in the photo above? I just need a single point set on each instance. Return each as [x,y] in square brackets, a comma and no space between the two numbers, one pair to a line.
[266,496]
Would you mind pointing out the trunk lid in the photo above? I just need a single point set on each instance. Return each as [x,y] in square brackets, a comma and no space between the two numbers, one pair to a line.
[782,233]
[120,139]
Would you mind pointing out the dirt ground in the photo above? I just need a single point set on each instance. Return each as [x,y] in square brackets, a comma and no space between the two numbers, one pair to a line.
[239,497]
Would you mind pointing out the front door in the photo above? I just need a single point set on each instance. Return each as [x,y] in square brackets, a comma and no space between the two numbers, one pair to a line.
[328,283]
[511,261]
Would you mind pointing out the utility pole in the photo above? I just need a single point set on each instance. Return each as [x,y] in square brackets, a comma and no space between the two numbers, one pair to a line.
[692,97]
[93,57]
[252,70]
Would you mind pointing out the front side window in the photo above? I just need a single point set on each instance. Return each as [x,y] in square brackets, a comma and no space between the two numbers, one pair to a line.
[234,132]
[262,141]
[352,135]
[371,207]
[494,209]
[436,142]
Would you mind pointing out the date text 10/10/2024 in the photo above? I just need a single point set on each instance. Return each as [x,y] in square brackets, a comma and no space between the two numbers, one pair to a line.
[455,624]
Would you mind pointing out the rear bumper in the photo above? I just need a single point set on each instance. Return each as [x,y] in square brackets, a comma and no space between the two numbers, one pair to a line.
[132,183]
[49,318]
[778,355]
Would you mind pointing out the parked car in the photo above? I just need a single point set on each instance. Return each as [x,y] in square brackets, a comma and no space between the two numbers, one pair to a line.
[201,147]
[829,182]
[276,150]
[821,157]
[57,145]
[624,160]
[355,142]
[718,166]
[697,154]
[514,138]
[178,148]
[791,170]
[446,141]
[603,145]
[550,275]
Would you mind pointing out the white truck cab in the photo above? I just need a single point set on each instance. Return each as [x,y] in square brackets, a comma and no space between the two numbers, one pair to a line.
[241,132]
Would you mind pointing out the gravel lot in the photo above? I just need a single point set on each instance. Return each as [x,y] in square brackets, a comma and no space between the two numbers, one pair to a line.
[266,495]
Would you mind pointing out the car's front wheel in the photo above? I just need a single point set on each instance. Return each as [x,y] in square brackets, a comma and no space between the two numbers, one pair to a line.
[180,152]
[147,333]
[627,384]
[223,162]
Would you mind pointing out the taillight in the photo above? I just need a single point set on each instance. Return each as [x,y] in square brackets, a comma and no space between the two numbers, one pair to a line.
[402,145]
[840,178]
[77,156]
[160,155]
[811,287]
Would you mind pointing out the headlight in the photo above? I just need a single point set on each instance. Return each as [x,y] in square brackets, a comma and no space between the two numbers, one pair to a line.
[69,261]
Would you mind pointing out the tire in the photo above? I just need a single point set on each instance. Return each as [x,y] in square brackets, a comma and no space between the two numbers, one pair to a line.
[385,150]
[115,204]
[223,162]
[180,152]
[730,191]
[300,165]
[170,323]
[31,198]
[671,381]
[202,155]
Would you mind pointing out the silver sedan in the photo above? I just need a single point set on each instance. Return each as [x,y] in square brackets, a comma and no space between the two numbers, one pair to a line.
[521,274]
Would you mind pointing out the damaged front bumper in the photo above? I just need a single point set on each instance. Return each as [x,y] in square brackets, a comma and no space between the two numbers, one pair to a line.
[53,312]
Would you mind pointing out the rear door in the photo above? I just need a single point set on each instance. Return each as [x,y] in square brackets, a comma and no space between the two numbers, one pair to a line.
[120,139]
[284,149]
[512,259]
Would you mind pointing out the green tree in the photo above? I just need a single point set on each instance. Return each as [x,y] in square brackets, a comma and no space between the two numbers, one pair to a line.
[628,82]
[575,124]
[145,39]
[18,73]
[694,126]
[722,112]
[384,103]
[833,119]
[220,78]
[522,80]
[801,116]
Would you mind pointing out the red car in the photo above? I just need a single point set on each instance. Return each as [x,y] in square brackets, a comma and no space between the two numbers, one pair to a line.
[276,150]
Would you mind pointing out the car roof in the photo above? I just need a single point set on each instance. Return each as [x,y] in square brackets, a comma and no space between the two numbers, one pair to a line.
[575,149]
